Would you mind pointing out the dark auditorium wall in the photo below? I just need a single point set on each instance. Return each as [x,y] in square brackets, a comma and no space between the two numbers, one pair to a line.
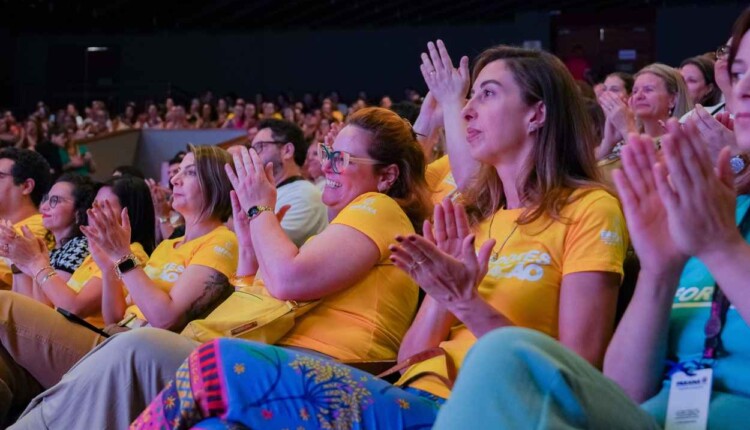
[378,61]
[375,60]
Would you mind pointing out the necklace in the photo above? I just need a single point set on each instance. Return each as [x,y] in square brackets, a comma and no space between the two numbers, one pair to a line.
[496,254]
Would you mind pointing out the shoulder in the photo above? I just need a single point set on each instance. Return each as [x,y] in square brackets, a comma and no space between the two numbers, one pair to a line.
[592,200]
[371,204]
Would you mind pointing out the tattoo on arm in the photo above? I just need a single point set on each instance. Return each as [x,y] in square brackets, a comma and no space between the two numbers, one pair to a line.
[215,290]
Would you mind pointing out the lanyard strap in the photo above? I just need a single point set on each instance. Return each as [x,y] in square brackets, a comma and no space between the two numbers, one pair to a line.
[712,345]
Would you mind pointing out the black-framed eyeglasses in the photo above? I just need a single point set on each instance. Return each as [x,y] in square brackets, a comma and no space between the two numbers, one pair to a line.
[340,159]
[258,146]
[53,200]
[722,52]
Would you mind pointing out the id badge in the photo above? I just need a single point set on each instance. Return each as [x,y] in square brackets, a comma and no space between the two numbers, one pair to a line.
[688,400]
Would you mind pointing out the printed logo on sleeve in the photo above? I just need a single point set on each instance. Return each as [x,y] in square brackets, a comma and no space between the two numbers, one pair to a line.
[225,250]
[610,237]
[366,205]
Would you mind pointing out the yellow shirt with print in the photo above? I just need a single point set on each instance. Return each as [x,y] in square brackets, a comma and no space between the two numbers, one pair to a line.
[89,270]
[217,250]
[523,283]
[440,179]
[34,223]
[368,320]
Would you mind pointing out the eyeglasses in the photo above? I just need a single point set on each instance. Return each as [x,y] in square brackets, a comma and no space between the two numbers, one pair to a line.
[722,52]
[340,159]
[258,146]
[53,200]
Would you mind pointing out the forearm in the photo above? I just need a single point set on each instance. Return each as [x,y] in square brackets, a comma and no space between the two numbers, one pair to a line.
[463,166]
[165,229]
[431,326]
[275,254]
[478,316]
[247,264]
[114,304]
[156,305]
[61,296]
[729,265]
[635,357]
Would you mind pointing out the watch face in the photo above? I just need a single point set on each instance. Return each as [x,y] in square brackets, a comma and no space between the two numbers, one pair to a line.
[737,164]
[252,212]
[126,265]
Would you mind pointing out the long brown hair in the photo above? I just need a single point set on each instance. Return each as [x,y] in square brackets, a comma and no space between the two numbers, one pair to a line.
[562,158]
[213,180]
[394,142]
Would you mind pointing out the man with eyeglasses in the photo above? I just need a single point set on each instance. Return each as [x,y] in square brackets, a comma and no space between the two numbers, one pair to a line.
[24,180]
[282,143]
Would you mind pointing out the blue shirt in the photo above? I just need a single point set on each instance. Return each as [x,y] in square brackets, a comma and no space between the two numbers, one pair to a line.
[690,311]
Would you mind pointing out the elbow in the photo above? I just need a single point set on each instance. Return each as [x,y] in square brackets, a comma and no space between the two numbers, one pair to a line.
[288,284]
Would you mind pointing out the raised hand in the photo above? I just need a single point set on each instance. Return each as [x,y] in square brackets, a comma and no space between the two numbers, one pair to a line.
[160,198]
[714,133]
[109,231]
[699,201]
[252,182]
[645,214]
[618,113]
[447,84]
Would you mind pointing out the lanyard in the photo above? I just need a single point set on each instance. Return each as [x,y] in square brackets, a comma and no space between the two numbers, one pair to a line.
[712,345]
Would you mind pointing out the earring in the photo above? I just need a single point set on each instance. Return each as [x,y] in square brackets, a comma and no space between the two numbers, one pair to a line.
[532,128]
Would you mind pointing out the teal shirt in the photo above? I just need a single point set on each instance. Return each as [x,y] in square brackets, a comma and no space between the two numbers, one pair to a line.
[65,159]
[690,311]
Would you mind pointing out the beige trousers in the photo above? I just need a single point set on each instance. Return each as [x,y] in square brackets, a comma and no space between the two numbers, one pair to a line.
[37,346]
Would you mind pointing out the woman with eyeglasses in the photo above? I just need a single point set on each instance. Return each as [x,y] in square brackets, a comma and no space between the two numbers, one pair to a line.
[38,344]
[550,260]
[63,211]
[375,190]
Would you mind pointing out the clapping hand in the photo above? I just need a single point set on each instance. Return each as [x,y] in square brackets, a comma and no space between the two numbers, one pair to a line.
[108,231]
[447,84]
[444,262]
[253,182]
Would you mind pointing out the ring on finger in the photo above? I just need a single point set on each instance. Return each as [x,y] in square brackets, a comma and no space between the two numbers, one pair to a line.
[420,261]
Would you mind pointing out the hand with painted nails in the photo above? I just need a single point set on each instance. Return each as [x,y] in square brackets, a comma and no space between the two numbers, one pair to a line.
[444,262]
[700,201]
[447,83]
[252,181]
[645,214]
[109,231]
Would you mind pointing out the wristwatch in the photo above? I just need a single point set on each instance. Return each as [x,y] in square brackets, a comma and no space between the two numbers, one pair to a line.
[125,265]
[738,163]
[256,210]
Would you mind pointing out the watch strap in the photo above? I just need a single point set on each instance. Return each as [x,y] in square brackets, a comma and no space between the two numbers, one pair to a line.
[257,210]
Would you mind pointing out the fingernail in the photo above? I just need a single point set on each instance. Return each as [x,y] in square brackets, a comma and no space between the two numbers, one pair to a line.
[399,238]
[393,260]
[412,238]
[392,248]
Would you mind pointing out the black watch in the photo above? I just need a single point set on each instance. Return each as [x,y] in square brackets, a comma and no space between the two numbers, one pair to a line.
[125,265]
[256,210]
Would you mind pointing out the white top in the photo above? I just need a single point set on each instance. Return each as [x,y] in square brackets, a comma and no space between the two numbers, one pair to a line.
[307,215]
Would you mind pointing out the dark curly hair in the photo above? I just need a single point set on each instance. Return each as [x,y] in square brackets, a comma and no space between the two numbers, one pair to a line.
[29,165]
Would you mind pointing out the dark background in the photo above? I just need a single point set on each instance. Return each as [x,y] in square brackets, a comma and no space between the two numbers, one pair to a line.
[246,47]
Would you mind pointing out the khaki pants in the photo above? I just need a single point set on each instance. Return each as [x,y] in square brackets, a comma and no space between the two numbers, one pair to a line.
[111,385]
[37,346]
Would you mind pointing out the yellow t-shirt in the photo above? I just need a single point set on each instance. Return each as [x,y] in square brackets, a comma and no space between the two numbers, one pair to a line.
[368,319]
[523,283]
[217,250]
[89,269]
[440,179]
[34,223]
